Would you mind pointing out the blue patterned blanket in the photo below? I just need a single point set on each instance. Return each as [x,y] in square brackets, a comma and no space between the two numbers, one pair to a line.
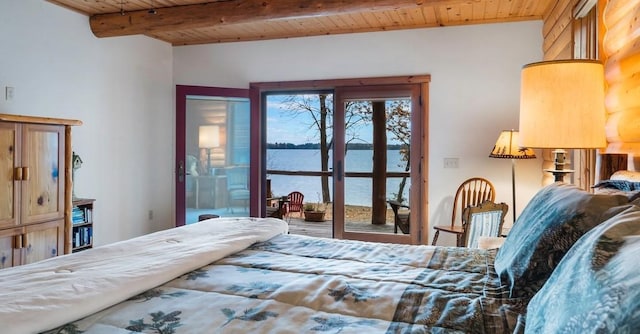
[297,284]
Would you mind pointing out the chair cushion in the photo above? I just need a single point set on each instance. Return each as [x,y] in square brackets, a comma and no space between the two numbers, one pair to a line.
[596,287]
[555,218]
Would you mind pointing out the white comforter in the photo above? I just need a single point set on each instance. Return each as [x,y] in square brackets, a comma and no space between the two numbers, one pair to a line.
[50,293]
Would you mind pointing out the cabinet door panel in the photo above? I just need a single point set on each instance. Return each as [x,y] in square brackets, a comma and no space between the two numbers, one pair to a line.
[10,251]
[8,186]
[43,241]
[43,189]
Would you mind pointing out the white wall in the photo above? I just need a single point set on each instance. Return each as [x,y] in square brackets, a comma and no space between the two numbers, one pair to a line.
[474,93]
[121,88]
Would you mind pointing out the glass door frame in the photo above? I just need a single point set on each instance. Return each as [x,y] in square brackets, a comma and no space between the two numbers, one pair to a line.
[341,95]
[182,92]
[419,130]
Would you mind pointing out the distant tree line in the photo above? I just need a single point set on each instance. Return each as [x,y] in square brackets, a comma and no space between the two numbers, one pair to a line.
[316,146]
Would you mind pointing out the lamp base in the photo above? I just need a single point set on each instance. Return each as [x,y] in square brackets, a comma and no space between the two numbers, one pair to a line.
[208,161]
[559,173]
[559,162]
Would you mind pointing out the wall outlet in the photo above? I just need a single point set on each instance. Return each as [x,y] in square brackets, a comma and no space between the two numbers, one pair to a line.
[150,214]
[451,162]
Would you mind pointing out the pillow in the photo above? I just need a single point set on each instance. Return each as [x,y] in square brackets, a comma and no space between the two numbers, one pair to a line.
[631,189]
[619,185]
[628,175]
[596,287]
[555,218]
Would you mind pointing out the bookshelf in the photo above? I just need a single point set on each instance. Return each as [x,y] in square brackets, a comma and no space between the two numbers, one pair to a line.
[82,224]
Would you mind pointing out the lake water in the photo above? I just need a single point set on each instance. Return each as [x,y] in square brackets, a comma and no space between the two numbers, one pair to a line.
[358,190]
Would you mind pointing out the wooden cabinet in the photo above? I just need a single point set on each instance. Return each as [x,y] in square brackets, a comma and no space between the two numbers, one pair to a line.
[35,188]
[11,247]
[82,224]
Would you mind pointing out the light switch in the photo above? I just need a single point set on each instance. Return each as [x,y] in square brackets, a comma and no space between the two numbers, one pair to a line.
[451,162]
[8,93]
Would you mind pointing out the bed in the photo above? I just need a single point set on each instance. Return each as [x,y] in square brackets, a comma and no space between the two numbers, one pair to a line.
[247,275]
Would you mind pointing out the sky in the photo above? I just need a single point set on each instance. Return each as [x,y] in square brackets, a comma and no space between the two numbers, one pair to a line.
[285,127]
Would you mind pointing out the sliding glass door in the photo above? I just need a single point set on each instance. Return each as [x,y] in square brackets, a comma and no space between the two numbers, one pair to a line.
[352,152]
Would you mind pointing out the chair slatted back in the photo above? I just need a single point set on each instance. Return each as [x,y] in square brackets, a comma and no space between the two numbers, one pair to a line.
[483,220]
[295,201]
[471,192]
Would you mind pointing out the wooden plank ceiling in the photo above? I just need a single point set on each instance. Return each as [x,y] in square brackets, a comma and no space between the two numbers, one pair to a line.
[187,22]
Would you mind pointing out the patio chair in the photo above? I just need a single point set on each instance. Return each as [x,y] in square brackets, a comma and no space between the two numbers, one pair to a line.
[279,211]
[295,203]
[400,216]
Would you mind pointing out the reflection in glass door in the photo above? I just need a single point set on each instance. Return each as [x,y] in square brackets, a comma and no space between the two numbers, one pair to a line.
[374,163]
[213,157]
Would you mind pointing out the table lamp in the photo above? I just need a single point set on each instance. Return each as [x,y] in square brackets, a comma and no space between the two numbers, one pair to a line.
[507,147]
[209,138]
[562,107]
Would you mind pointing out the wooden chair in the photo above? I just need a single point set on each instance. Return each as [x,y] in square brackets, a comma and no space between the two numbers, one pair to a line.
[471,192]
[484,220]
[295,202]
[237,186]
[400,218]
[279,210]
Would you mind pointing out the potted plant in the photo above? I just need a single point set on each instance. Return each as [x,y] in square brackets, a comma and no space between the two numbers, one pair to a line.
[313,212]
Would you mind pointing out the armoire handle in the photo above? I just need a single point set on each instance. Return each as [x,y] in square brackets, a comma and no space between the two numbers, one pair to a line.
[17,241]
[17,174]
[25,173]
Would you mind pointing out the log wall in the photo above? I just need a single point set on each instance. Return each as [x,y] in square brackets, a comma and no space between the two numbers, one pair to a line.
[621,50]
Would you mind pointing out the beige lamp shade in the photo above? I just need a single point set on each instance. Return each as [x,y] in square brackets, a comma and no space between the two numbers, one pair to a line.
[507,147]
[562,105]
[209,136]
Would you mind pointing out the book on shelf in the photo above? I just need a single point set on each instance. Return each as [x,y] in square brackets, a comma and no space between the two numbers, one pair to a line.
[81,215]
[82,236]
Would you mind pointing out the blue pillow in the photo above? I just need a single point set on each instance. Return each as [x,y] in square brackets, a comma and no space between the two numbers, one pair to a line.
[555,218]
[596,287]
[618,185]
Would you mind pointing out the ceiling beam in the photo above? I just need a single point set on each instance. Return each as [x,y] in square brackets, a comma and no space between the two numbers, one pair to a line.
[226,12]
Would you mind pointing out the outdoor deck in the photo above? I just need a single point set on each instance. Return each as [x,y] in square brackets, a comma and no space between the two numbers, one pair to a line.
[324,229]
[297,224]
